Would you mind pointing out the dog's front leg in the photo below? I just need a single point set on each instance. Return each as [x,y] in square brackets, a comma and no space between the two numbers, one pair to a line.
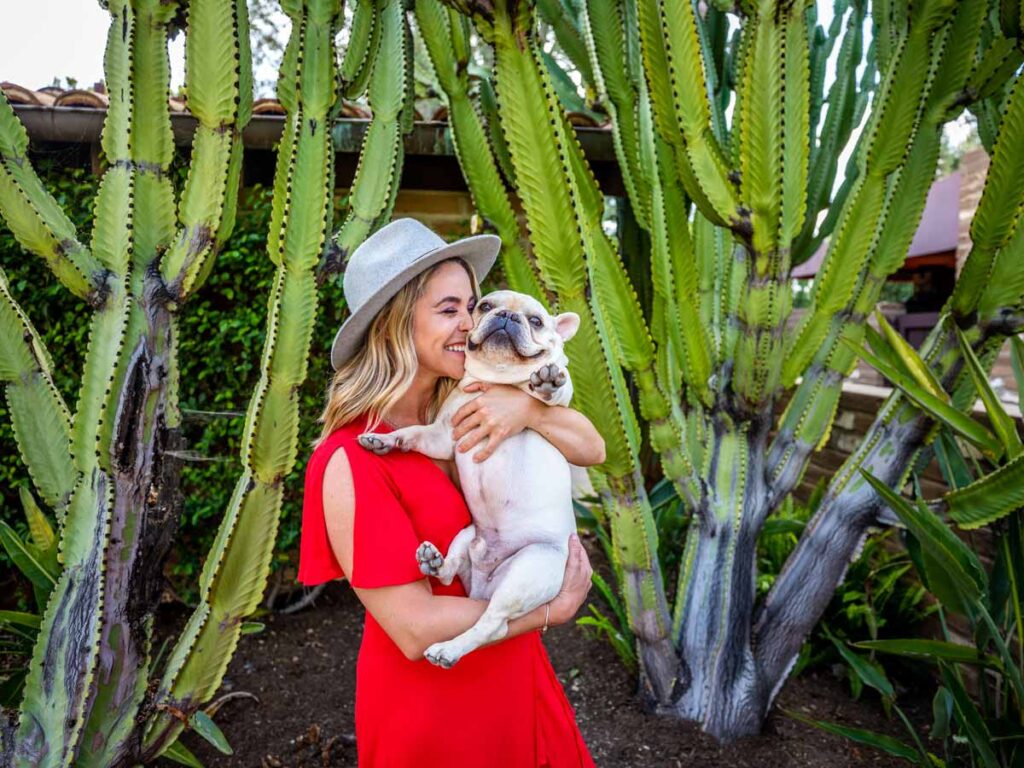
[551,385]
[433,440]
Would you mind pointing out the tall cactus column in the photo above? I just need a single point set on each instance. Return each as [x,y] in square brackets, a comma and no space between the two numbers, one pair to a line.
[563,210]
[390,93]
[89,670]
[234,574]
[446,35]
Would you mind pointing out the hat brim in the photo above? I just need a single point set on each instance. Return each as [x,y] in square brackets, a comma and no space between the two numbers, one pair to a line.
[479,251]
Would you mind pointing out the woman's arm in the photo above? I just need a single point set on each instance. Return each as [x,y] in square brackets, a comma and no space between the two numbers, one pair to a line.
[412,616]
[570,432]
[502,411]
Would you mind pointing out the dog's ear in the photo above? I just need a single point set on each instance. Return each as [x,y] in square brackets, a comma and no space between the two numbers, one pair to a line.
[566,325]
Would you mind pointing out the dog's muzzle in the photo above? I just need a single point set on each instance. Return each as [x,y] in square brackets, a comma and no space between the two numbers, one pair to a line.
[504,328]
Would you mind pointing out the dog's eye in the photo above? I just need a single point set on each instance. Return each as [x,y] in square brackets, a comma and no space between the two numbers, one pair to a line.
[484,306]
[535,321]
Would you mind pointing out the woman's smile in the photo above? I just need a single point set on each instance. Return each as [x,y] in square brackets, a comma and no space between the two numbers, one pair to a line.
[457,349]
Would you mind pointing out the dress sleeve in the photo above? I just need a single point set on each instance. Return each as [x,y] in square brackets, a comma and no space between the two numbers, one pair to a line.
[317,562]
[383,540]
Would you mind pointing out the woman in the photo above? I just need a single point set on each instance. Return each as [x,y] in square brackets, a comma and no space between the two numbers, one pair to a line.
[396,358]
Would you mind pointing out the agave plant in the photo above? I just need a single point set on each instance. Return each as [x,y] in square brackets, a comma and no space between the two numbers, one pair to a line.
[107,470]
[729,201]
[988,599]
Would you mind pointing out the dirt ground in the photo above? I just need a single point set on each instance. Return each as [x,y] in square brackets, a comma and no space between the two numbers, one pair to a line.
[302,668]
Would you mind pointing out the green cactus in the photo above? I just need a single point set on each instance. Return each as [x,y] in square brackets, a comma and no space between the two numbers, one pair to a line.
[108,470]
[88,674]
[729,204]
[390,94]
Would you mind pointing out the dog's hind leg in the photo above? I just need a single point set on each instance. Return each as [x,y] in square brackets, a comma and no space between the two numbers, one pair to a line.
[446,567]
[529,578]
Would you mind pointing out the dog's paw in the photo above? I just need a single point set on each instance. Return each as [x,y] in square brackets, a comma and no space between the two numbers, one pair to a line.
[442,655]
[547,380]
[429,558]
[379,444]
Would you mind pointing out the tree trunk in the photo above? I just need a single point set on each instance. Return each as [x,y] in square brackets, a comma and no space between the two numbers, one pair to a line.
[849,509]
[143,521]
[718,586]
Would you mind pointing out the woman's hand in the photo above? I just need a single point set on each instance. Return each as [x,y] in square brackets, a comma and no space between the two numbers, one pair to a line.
[575,584]
[500,412]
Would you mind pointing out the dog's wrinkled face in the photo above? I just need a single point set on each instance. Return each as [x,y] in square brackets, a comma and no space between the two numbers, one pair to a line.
[513,333]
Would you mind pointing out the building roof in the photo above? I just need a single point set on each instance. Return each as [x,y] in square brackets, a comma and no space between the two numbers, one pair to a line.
[76,117]
[426,110]
[936,234]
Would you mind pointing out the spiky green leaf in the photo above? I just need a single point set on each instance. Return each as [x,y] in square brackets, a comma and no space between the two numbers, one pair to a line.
[954,572]
[932,650]
[990,498]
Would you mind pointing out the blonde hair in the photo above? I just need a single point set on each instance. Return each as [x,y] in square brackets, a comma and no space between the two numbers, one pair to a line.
[383,369]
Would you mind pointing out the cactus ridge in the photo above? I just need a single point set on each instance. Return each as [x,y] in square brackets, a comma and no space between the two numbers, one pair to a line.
[685,71]
[372,196]
[656,70]
[1000,207]
[68,641]
[36,219]
[901,209]
[42,431]
[605,33]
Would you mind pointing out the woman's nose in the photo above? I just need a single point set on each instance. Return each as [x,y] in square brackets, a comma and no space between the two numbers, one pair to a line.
[467,322]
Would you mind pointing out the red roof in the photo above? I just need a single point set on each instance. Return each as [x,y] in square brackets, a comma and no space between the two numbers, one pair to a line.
[937,233]
[431,110]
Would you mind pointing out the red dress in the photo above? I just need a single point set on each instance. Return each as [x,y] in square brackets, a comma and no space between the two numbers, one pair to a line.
[501,706]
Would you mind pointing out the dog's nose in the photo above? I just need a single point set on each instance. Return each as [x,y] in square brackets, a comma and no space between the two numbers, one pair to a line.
[510,317]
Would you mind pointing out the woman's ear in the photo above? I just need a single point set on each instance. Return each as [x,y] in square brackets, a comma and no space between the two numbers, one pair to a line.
[566,325]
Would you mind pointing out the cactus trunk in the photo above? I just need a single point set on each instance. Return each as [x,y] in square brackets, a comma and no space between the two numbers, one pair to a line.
[716,588]
[143,521]
[728,204]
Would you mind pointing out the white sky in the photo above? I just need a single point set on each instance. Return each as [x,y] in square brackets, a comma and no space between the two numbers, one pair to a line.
[44,39]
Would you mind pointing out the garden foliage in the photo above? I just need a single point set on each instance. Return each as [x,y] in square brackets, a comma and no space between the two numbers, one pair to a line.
[979,702]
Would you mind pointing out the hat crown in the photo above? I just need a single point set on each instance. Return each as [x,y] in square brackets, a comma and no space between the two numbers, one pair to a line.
[384,255]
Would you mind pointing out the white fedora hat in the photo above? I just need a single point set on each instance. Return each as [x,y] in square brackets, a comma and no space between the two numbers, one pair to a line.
[386,261]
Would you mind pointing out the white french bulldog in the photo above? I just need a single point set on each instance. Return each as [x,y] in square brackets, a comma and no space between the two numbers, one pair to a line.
[514,552]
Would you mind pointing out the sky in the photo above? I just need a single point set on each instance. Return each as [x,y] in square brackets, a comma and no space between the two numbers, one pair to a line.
[44,39]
